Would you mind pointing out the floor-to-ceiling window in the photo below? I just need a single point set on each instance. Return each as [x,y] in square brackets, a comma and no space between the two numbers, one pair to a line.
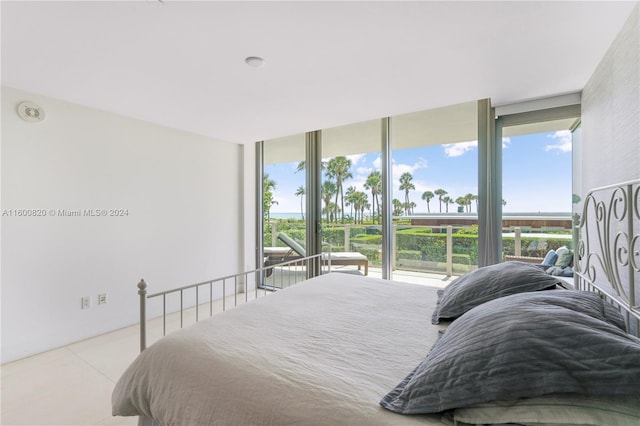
[351,192]
[537,181]
[432,175]
[435,187]
[425,215]
[283,201]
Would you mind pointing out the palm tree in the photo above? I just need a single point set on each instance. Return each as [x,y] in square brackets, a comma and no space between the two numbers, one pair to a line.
[374,184]
[328,191]
[447,200]
[462,202]
[412,206]
[350,197]
[300,192]
[469,198]
[427,196]
[338,169]
[364,206]
[406,186]
[440,193]
[268,201]
[355,201]
[332,211]
[360,202]
[397,207]
[303,165]
[268,186]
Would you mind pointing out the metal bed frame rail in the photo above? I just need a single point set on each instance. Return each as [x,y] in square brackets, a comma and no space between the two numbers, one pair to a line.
[607,256]
[239,282]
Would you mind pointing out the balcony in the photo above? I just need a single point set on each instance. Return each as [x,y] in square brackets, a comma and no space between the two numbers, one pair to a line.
[428,252]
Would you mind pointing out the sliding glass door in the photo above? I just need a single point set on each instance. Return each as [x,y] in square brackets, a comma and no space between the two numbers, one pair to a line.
[435,187]
[283,204]
[351,193]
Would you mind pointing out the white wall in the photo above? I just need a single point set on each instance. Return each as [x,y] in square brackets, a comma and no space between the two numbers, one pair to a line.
[610,137]
[183,194]
[611,112]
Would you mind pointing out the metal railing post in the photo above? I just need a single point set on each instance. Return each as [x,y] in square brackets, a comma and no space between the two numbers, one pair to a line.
[347,233]
[449,250]
[575,238]
[394,236]
[518,241]
[274,234]
[142,291]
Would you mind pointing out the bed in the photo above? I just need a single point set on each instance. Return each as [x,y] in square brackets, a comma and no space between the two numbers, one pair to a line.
[503,344]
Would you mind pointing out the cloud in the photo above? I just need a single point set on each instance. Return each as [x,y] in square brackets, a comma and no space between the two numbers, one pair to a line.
[399,169]
[377,162]
[458,149]
[357,158]
[506,141]
[562,141]
[364,171]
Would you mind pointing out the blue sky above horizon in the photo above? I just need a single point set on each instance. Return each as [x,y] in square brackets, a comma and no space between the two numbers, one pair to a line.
[536,174]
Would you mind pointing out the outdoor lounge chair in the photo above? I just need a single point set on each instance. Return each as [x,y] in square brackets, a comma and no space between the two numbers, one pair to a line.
[337,258]
[275,255]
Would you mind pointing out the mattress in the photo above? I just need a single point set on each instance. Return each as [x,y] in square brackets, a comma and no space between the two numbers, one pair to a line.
[322,352]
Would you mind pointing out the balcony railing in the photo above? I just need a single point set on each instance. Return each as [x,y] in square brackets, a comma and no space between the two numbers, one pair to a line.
[446,249]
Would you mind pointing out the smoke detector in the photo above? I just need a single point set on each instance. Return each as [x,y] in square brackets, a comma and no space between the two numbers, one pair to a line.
[31,112]
[254,61]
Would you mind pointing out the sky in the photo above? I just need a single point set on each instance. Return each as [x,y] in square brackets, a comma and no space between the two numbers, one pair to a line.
[536,174]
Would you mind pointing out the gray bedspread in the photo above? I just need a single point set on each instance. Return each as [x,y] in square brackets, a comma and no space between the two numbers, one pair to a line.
[322,352]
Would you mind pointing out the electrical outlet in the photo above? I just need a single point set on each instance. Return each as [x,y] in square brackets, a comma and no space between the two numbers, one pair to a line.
[102,298]
[86,302]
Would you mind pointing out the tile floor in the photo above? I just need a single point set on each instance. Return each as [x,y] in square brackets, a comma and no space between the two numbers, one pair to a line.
[72,385]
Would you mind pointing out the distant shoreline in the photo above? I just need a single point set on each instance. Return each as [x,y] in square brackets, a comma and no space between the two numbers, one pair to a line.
[290,215]
[287,215]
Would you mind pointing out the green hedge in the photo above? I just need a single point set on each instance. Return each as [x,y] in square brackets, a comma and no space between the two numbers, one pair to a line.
[533,247]
[416,243]
[367,239]
[461,259]
[409,254]
[434,246]
[373,254]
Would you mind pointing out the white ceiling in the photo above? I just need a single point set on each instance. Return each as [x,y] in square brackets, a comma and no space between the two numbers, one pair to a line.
[181,64]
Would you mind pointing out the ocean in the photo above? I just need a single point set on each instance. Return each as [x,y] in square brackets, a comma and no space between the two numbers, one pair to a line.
[285,215]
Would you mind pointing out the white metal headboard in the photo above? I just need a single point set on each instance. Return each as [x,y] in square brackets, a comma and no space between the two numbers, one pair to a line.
[608,247]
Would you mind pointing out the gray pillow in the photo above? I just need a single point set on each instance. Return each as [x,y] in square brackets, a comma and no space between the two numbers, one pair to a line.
[564,409]
[520,346]
[488,283]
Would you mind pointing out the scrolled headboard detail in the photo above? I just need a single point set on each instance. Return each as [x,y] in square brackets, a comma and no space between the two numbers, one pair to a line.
[608,247]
